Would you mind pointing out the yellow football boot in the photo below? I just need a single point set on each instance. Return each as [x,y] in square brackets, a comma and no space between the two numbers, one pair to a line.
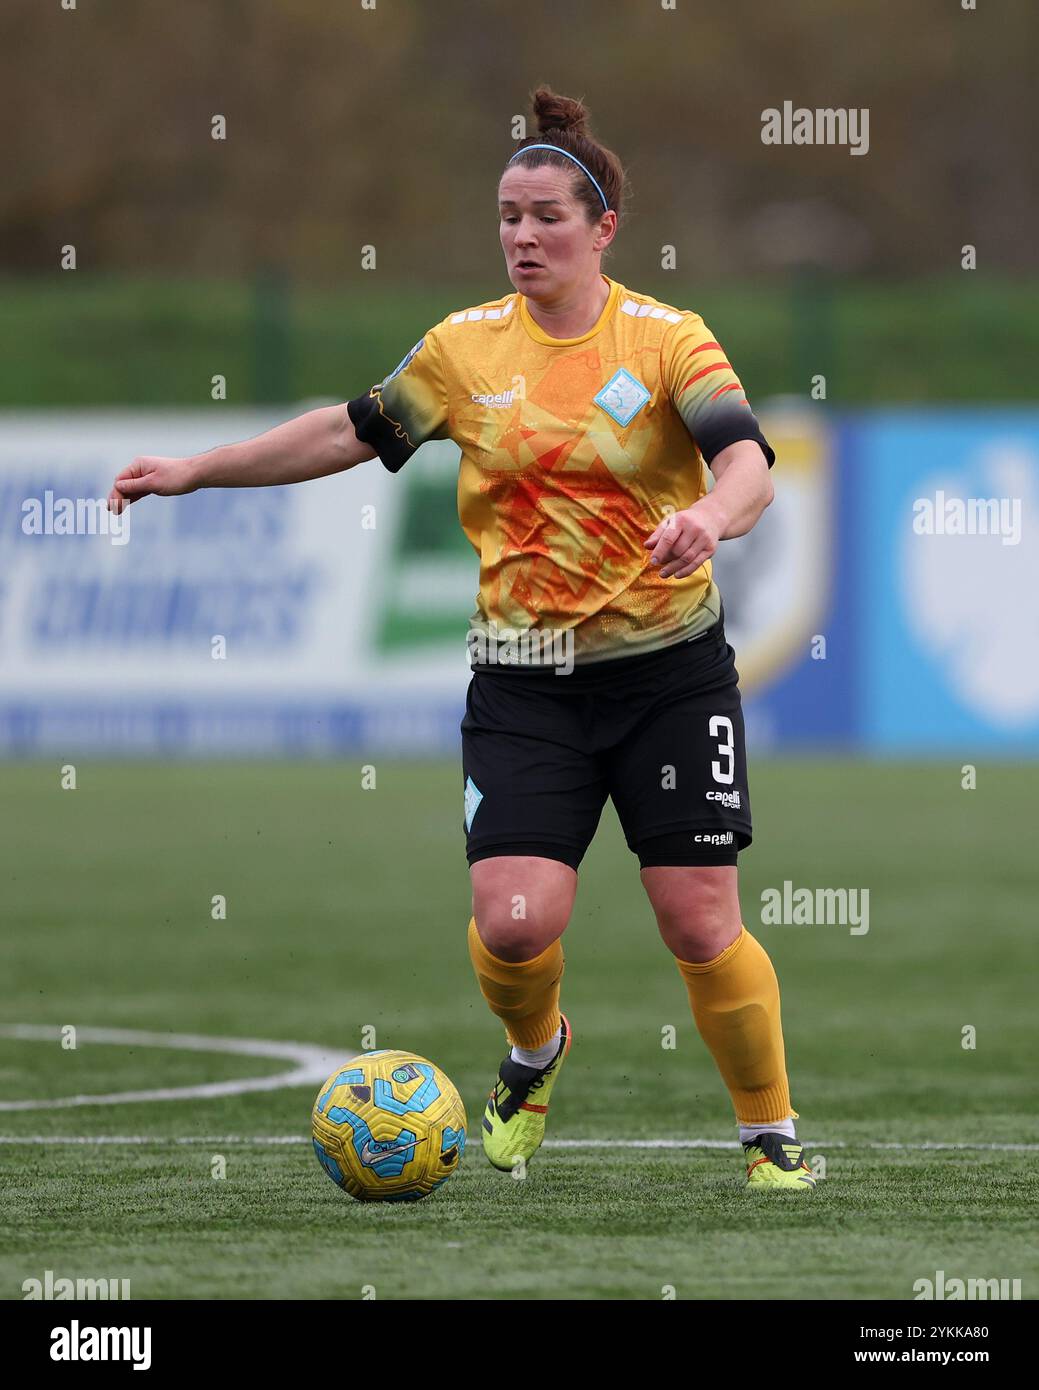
[514,1120]
[777,1163]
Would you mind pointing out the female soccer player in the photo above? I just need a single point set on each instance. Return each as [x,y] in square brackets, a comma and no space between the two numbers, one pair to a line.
[587,415]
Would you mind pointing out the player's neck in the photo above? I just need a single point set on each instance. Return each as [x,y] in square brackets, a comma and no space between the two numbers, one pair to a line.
[574,314]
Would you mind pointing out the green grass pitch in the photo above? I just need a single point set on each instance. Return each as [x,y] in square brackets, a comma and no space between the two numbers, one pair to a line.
[347,907]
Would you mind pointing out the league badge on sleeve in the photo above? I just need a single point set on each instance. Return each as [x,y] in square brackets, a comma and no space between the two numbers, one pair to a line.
[402,363]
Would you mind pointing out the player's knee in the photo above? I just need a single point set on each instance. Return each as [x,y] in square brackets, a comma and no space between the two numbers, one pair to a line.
[697,910]
[516,938]
[521,905]
[699,936]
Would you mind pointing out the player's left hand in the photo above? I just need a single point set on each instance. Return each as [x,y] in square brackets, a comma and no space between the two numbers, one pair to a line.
[684,540]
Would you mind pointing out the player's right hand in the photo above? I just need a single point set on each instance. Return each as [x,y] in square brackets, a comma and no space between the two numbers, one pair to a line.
[163,477]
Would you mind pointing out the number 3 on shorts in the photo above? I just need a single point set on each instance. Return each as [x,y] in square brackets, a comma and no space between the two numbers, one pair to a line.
[721,724]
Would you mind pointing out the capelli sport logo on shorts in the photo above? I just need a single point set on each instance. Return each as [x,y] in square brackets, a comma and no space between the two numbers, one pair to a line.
[721,837]
[729,799]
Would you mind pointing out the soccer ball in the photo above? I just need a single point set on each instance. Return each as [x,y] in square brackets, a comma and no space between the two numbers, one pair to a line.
[388,1127]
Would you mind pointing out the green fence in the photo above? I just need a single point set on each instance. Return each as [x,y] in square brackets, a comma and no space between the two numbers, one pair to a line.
[77,339]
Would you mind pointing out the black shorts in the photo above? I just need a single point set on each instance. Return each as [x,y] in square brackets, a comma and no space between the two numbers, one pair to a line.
[660,733]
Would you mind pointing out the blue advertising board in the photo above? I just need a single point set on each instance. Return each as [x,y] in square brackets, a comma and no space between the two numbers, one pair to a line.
[887,602]
[947,580]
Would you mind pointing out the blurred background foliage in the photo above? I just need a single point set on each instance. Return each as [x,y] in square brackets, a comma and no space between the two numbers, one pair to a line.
[388,127]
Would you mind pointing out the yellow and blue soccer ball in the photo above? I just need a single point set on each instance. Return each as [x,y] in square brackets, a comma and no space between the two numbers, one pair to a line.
[389,1127]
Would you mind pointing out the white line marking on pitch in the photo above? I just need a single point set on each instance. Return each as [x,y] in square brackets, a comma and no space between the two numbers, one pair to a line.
[310,1064]
[313,1063]
[267,1139]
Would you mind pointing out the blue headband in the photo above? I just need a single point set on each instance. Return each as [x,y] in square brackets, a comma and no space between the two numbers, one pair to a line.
[559,150]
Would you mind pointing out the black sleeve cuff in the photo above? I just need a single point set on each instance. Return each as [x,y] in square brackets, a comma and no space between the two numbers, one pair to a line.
[730,428]
[375,429]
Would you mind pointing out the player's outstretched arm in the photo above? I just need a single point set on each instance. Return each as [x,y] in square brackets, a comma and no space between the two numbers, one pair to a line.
[311,446]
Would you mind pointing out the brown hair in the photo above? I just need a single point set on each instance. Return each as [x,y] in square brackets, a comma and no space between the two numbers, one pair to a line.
[563,121]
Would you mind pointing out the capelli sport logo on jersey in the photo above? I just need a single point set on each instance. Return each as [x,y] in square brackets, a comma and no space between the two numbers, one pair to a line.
[499,402]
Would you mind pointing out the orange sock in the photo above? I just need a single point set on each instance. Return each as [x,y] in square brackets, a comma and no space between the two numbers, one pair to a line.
[735,1001]
[523,993]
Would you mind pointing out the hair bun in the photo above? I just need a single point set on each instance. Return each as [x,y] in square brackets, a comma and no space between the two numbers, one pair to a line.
[554,112]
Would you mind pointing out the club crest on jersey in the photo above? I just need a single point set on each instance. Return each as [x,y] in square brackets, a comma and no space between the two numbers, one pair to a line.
[622,397]
[403,362]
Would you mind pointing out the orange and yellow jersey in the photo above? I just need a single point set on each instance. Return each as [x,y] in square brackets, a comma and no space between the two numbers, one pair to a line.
[573,449]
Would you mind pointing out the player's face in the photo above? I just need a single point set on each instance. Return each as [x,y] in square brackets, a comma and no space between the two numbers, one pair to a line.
[548,243]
